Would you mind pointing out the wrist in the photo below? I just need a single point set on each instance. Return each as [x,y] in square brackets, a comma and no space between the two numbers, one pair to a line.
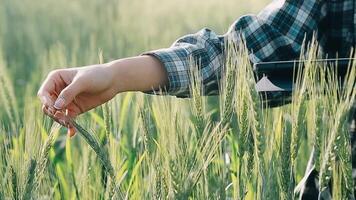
[116,75]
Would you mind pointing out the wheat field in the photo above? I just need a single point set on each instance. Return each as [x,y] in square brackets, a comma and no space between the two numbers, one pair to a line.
[139,146]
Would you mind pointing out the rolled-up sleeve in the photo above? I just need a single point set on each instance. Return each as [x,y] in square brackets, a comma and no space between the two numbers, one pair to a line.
[276,33]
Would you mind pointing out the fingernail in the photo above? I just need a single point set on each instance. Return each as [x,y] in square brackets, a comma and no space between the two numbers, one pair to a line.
[59,103]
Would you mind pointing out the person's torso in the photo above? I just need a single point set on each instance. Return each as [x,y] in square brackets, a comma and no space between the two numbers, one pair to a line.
[337,30]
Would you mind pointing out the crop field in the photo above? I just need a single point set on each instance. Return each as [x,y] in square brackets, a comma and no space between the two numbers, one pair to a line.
[140,146]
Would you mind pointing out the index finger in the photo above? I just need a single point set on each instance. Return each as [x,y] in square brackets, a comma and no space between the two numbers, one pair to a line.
[46,90]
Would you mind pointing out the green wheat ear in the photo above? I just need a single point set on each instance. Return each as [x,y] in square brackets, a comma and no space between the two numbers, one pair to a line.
[93,142]
[30,179]
[36,168]
[7,94]
[286,173]
[43,159]
[14,183]
[2,196]
[198,103]
[228,88]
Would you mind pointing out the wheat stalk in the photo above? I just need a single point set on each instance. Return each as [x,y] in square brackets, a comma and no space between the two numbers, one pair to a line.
[14,183]
[256,119]
[333,146]
[286,174]
[147,134]
[244,137]
[158,188]
[196,90]
[7,94]
[318,134]
[43,159]
[2,196]
[206,152]
[107,121]
[102,155]
[30,179]
[229,86]
[338,147]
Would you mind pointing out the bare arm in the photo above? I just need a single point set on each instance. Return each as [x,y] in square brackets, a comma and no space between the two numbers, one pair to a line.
[142,73]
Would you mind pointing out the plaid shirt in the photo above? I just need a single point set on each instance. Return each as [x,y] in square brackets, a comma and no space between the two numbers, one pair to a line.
[276,33]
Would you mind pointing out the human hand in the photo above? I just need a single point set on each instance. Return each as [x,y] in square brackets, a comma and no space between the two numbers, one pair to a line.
[73,91]
[66,93]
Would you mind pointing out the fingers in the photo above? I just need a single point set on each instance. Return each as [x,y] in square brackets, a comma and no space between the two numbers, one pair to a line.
[60,118]
[57,81]
[45,99]
[63,119]
[53,104]
[47,88]
[48,111]
[55,115]
[68,94]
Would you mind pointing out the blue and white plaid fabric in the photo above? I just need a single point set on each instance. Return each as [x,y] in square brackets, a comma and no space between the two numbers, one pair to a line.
[276,33]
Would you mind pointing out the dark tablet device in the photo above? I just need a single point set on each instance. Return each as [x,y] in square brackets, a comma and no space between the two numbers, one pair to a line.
[275,79]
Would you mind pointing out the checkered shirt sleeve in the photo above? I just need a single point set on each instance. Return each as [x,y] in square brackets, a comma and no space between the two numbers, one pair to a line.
[276,33]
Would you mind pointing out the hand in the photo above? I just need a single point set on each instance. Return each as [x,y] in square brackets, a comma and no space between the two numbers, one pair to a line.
[74,91]
[70,92]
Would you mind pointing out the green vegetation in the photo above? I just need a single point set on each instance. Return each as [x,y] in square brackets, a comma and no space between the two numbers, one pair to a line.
[159,147]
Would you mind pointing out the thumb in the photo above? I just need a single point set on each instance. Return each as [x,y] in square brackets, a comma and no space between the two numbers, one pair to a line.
[67,95]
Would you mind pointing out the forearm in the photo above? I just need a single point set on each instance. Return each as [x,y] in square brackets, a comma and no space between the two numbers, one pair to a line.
[141,73]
